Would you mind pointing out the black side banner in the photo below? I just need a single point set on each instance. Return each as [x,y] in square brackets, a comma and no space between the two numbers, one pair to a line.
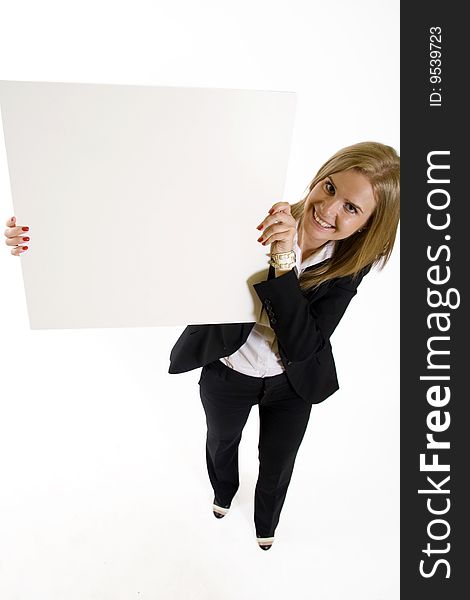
[435,232]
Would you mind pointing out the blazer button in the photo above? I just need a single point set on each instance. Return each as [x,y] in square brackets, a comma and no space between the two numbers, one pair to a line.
[273,321]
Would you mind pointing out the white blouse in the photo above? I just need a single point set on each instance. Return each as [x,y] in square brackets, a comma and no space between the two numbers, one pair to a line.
[259,355]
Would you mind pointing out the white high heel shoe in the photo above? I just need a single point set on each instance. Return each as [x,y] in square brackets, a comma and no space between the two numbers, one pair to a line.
[265,543]
[218,510]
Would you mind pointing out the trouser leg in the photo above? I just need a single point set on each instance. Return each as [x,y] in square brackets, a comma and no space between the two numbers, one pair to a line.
[283,421]
[227,406]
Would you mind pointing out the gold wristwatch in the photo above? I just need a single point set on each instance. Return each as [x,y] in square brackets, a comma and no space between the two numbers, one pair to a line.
[283,260]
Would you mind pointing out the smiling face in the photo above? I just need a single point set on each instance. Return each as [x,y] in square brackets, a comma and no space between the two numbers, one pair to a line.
[335,208]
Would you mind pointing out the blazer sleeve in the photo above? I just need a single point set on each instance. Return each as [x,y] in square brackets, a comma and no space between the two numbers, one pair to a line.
[302,326]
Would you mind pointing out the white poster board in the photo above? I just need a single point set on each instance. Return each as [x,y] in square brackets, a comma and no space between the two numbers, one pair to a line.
[143,201]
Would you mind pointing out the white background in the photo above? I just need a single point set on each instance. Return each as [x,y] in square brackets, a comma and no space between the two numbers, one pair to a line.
[104,490]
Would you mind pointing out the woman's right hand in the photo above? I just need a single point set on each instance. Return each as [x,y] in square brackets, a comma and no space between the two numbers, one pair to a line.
[15,236]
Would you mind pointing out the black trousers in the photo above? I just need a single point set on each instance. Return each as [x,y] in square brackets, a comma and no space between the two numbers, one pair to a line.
[227,397]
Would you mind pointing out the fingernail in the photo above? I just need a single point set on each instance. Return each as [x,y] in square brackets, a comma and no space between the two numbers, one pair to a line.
[260,226]
[25,228]
[271,211]
[259,239]
[26,239]
[25,247]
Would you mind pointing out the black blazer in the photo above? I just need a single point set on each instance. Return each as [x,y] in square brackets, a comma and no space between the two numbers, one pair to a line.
[302,321]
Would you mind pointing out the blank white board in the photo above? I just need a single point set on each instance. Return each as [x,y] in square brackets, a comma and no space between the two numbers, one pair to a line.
[143,201]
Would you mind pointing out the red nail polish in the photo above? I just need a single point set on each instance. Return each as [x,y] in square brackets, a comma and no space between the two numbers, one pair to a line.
[259,239]
[25,228]
[259,227]
[26,239]
[25,247]
[271,211]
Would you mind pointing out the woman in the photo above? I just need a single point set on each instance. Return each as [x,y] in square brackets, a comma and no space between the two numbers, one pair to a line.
[320,249]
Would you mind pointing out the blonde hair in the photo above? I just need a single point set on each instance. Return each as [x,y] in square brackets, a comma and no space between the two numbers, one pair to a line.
[372,245]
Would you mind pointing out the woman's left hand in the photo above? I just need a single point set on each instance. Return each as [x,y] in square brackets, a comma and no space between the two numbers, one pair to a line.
[278,228]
